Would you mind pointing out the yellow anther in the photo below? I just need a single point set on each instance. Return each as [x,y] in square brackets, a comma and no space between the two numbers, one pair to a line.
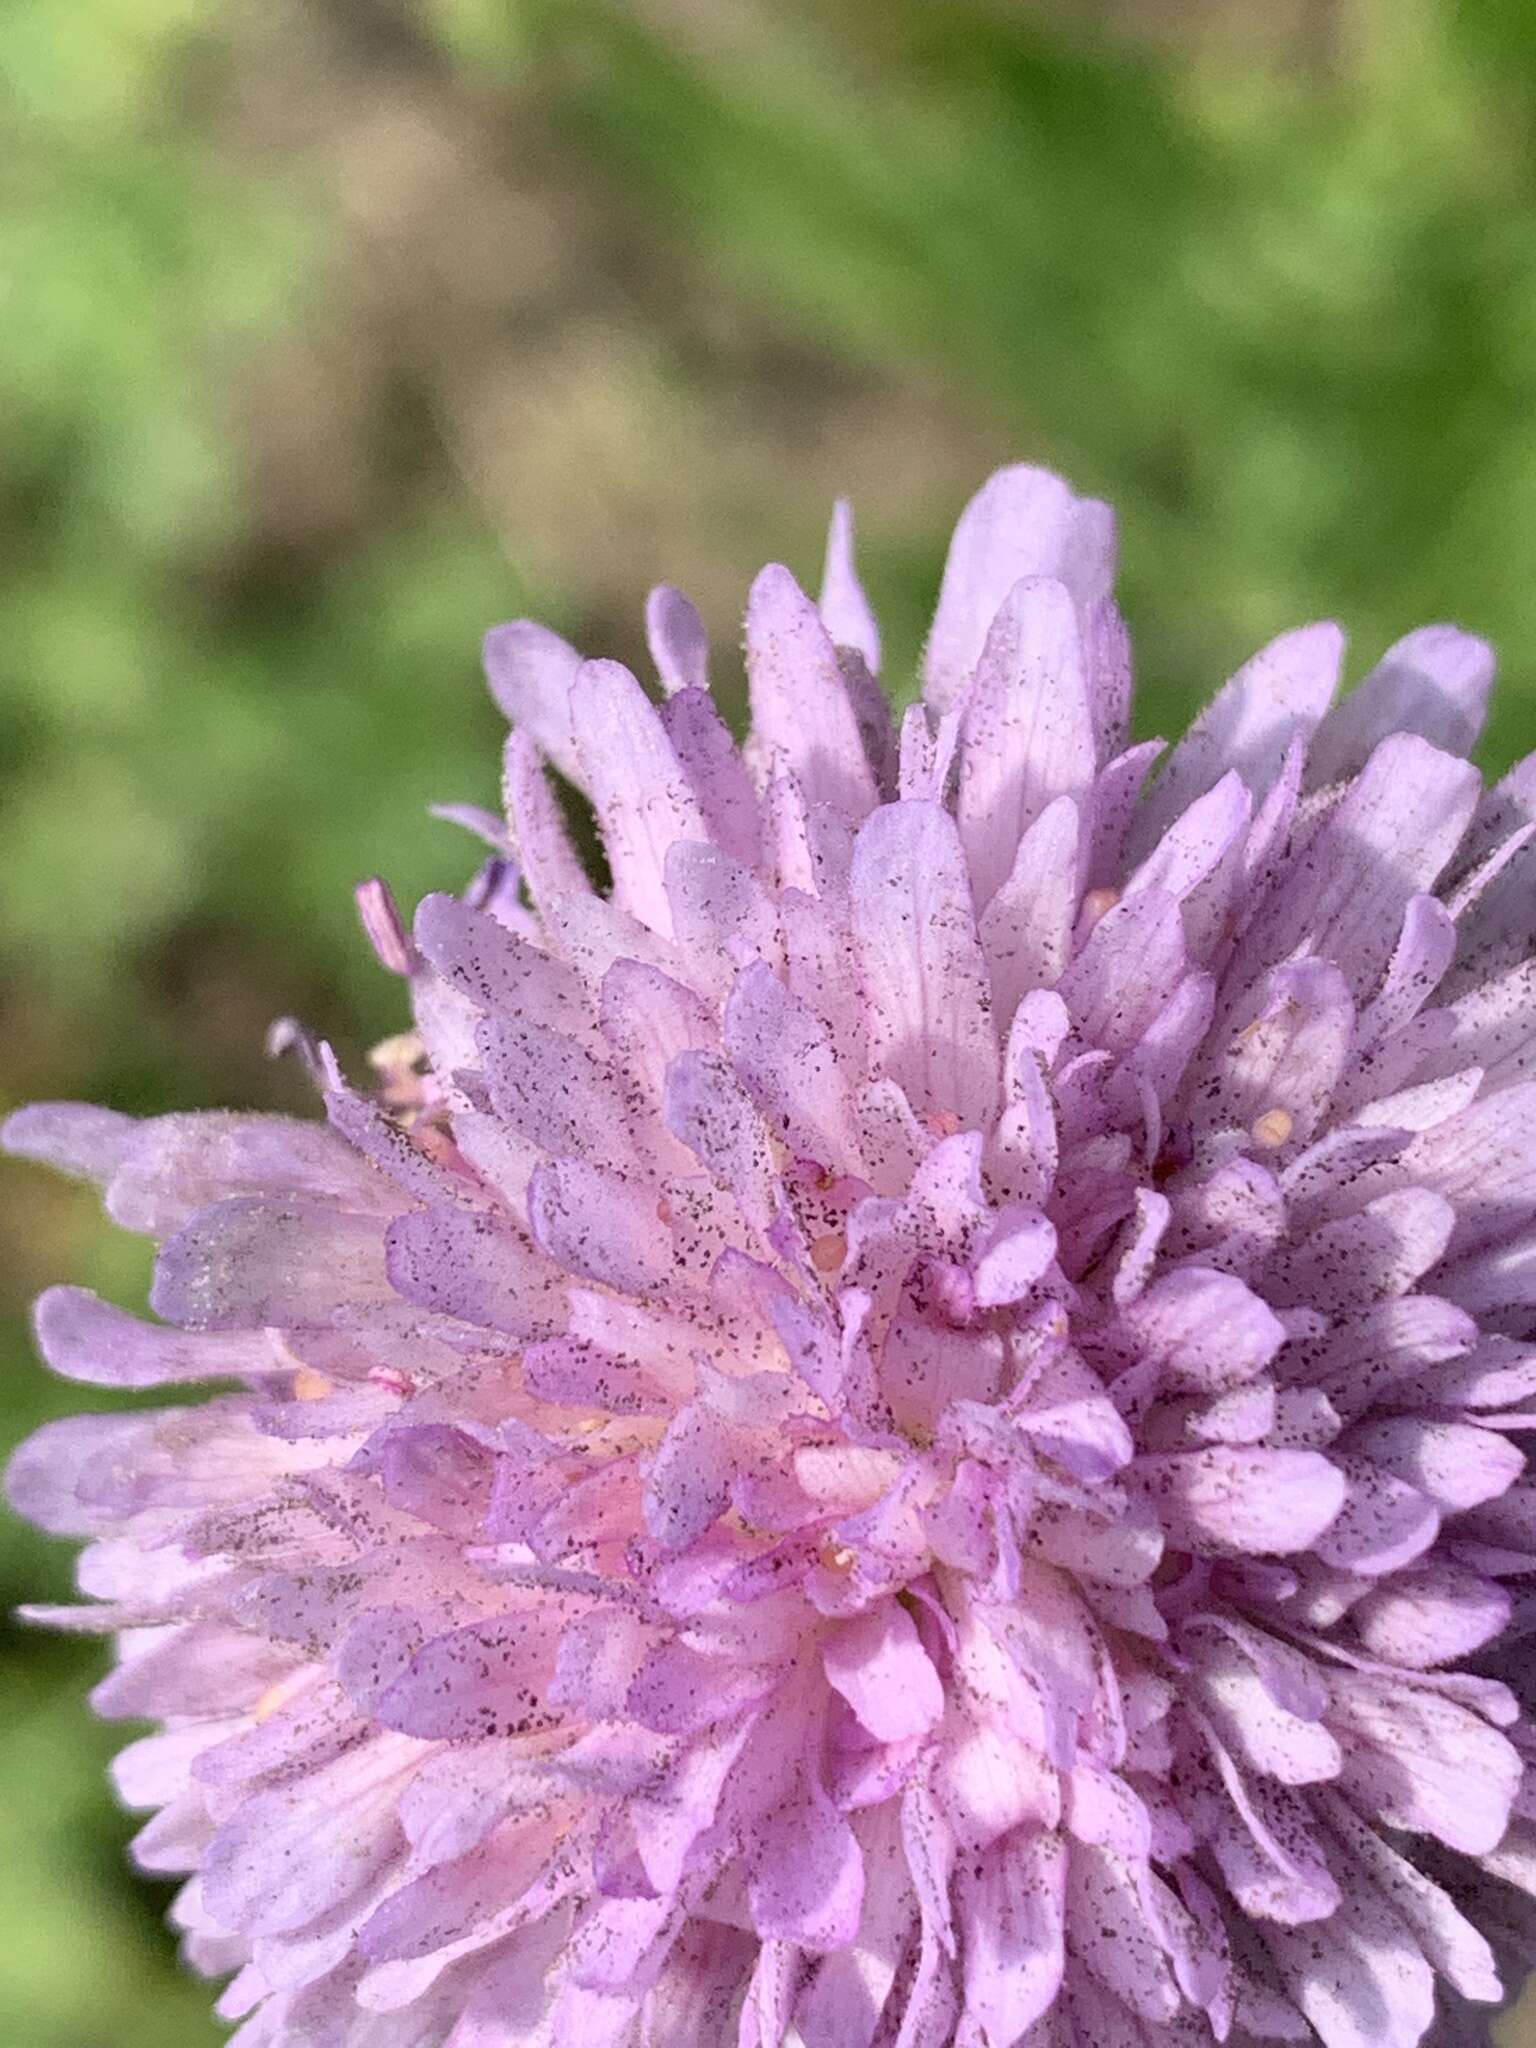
[1098,903]
[828,1252]
[1272,1130]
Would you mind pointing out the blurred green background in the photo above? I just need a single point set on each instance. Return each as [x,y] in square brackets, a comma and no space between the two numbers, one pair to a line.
[335,330]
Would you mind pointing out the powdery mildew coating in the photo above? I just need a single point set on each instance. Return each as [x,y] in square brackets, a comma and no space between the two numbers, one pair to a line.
[906,1430]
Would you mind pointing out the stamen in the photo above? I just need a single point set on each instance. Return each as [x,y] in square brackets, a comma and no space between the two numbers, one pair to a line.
[1097,904]
[1271,1130]
[829,1251]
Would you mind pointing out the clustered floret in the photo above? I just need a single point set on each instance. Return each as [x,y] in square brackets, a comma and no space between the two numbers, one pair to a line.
[902,1431]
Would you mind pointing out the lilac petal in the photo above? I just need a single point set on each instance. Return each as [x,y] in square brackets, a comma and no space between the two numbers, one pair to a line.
[872,714]
[571,1372]
[805,1875]
[1207,1330]
[1107,647]
[461,1895]
[707,1110]
[1231,1501]
[719,910]
[1448,1940]
[1362,1356]
[488,1679]
[1027,927]
[1482,1161]
[678,1692]
[49,1477]
[618,1944]
[531,672]
[679,644]
[921,962]
[1383,1251]
[1068,1413]
[770,1997]
[203,1669]
[1425,948]
[1262,1730]
[477,820]
[456,1263]
[695,1994]
[554,1092]
[1127,972]
[785,1057]
[1286,1055]
[649,1018]
[1437,1613]
[379,1140]
[1391,837]
[537,829]
[599,1225]
[1022,522]
[1455,1463]
[1019,1250]
[1283,690]
[257,1260]
[1111,1935]
[1026,734]
[845,610]
[1497,928]
[497,970]
[294,1853]
[1495,1284]
[689,1482]
[1435,682]
[176,1165]
[1198,841]
[1360,1978]
[1424,1763]
[1024,1154]
[715,772]
[1115,801]
[843,2003]
[1010,1905]
[803,719]
[87,1339]
[881,1669]
[637,786]
[75,1137]
[1384,1524]
[820,971]
[809,845]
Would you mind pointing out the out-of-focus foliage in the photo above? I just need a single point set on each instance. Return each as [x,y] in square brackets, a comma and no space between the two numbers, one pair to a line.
[333,330]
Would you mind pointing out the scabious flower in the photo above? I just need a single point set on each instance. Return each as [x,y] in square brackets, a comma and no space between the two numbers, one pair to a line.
[901,1430]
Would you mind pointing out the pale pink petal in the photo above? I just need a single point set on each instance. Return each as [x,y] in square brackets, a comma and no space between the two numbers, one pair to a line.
[678,642]
[844,608]
[881,1669]
[1228,1500]
[805,1876]
[531,672]
[637,786]
[921,962]
[1283,690]
[1026,734]
[1435,682]
[1010,1906]
[802,716]
[1022,522]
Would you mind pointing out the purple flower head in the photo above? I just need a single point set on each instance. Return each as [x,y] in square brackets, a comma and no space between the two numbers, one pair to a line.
[902,1431]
